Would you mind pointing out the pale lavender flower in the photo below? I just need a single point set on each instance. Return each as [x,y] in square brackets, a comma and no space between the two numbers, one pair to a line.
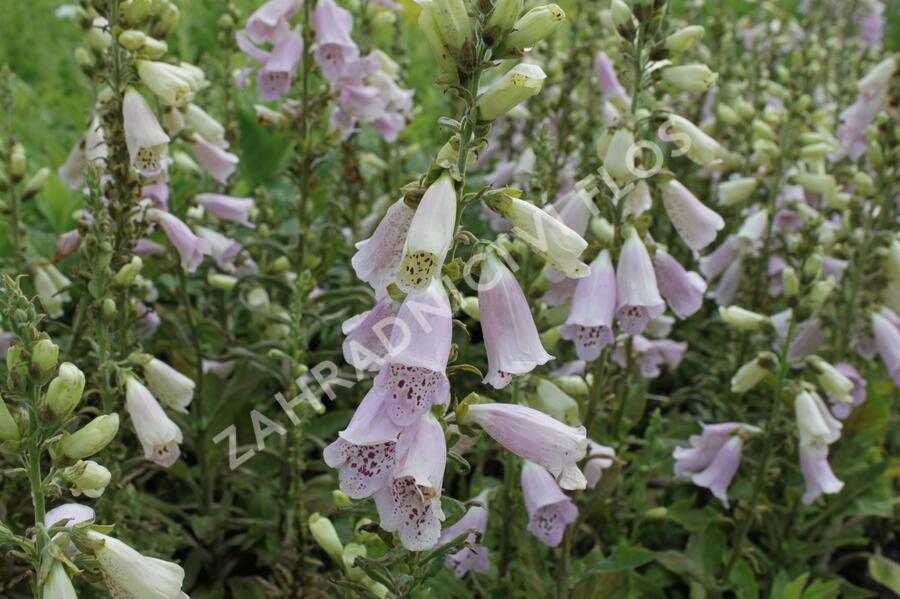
[368,335]
[147,247]
[727,287]
[606,77]
[549,509]
[599,458]
[159,436]
[419,349]
[219,368]
[720,472]
[887,340]
[157,191]
[377,259]
[68,243]
[148,320]
[638,299]
[430,235]
[410,503]
[365,452]
[714,263]
[190,247]
[533,435]
[219,163]
[334,46]
[473,556]
[817,473]
[264,23]
[275,76]
[871,22]
[714,457]
[696,224]
[510,335]
[590,319]
[682,290]
[148,144]
[229,208]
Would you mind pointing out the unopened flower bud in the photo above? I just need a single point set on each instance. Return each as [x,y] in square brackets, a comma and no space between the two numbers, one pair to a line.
[453,20]
[700,147]
[154,48]
[64,391]
[36,183]
[832,380]
[429,26]
[621,14]
[745,109]
[816,182]
[790,282]
[864,183]
[537,24]
[340,500]
[893,260]
[136,11]
[108,309]
[762,130]
[684,39]
[221,282]
[9,430]
[690,77]
[83,58]
[815,152]
[602,229]
[17,162]
[44,357]
[552,400]
[504,15]
[727,115]
[736,190]
[750,374]
[550,338]
[87,478]
[812,266]
[617,162]
[819,293]
[348,557]
[132,39]
[326,536]
[129,272]
[91,438]
[656,513]
[517,85]
[16,367]
[742,319]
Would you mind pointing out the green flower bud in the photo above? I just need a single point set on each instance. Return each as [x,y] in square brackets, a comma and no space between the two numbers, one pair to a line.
[690,77]
[727,115]
[742,319]
[279,265]
[9,430]
[44,357]
[89,439]
[16,367]
[129,272]
[348,556]
[469,306]
[83,58]
[816,182]
[453,20]
[535,25]
[132,39]
[656,513]
[503,17]
[517,85]
[762,130]
[812,266]
[434,37]
[137,11]
[864,183]
[745,109]
[326,536]
[17,162]
[222,282]
[108,309]
[553,401]
[750,374]
[154,48]
[602,229]
[819,293]
[893,260]
[684,39]
[832,380]
[87,478]
[340,500]
[36,183]
[64,391]
[550,337]
[791,282]
[736,190]
[621,14]
[98,37]
[167,19]
[573,385]
[616,162]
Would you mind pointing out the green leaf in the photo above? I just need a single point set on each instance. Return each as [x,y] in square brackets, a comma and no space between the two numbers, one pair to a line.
[625,558]
[781,589]
[885,572]
[679,563]
[743,581]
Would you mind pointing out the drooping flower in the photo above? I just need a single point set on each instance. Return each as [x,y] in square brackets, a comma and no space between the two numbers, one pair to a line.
[365,452]
[264,23]
[840,409]
[599,458]
[368,335]
[148,144]
[510,335]
[275,77]
[887,340]
[377,259]
[128,574]
[682,290]
[714,457]
[473,556]
[430,234]
[229,208]
[419,350]
[334,46]
[817,473]
[552,400]
[590,319]
[51,286]
[549,509]
[68,515]
[410,502]
[638,300]
[203,123]
[172,84]
[58,585]
[696,224]
[159,436]
[608,81]
[190,247]
[170,386]
[219,163]
[222,249]
[533,435]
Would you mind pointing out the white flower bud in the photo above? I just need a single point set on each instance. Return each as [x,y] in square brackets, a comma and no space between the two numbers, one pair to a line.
[736,190]
[517,85]
[742,319]
[617,162]
[554,402]
[87,478]
[700,147]
[537,24]
[690,77]
[64,391]
[429,26]
[750,374]
[816,182]
[453,20]
[684,39]
[835,384]
[326,536]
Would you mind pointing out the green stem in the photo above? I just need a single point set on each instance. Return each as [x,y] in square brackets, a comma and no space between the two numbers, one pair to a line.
[303,155]
[759,480]
[36,480]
